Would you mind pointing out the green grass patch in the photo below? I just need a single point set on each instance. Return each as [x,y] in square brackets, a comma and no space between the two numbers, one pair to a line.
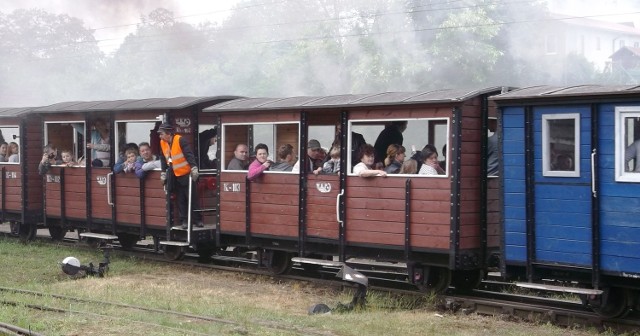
[234,303]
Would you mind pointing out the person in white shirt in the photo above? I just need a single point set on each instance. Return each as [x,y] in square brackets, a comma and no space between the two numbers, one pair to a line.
[363,169]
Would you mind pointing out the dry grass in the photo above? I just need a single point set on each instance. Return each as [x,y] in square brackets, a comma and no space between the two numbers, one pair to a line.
[244,304]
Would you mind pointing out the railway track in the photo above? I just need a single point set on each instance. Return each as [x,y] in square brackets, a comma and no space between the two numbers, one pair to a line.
[496,299]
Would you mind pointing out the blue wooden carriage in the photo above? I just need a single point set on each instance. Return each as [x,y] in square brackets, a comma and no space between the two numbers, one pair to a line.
[571,195]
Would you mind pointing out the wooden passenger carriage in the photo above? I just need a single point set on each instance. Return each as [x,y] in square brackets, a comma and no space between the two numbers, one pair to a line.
[95,199]
[437,224]
[20,186]
[571,190]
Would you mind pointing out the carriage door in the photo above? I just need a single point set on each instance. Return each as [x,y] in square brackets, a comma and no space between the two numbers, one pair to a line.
[562,203]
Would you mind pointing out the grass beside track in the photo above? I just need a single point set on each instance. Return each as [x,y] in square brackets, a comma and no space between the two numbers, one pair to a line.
[209,302]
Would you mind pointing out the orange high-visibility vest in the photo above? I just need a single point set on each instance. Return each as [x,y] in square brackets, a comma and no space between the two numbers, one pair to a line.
[175,157]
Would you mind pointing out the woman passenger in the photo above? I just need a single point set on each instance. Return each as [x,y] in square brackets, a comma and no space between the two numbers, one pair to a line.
[394,159]
[14,151]
[430,164]
[260,164]
[363,169]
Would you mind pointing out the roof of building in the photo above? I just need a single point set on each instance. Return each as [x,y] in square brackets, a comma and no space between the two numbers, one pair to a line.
[580,92]
[597,24]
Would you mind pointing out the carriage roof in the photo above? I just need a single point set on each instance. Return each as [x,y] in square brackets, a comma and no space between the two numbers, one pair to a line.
[349,100]
[11,112]
[578,92]
[131,104]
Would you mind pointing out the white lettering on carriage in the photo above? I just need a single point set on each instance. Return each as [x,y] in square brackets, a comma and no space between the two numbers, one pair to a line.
[631,275]
[323,187]
[11,175]
[53,178]
[232,187]
[102,180]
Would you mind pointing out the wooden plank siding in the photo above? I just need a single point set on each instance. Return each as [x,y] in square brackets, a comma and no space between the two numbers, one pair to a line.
[31,156]
[99,203]
[127,198]
[232,202]
[12,188]
[269,216]
[375,210]
[321,206]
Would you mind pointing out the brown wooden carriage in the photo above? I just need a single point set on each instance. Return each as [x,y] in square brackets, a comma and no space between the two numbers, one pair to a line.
[94,199]
[440,226]
[20,185]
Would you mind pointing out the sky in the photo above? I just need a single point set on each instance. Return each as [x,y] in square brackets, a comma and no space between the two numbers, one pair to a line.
[113,20]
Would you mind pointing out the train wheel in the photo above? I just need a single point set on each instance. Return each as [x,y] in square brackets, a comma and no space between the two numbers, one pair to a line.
[279,263]
[57,233]
[15,228]
[27,232]
[437,281]
[615,303]
[127,240]
[173,252]
[466,281]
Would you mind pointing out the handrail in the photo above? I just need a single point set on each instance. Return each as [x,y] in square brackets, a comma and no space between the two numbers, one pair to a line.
[109,200]
[338,207]
[593,173]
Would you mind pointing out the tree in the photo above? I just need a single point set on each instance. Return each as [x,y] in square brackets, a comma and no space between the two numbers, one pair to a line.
[46,58]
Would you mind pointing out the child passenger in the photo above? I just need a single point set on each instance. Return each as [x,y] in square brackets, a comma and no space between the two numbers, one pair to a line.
[67,158]
[129,165]
[333,165]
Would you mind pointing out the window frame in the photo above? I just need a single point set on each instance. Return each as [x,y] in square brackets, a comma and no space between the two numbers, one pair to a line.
[408,151]
[272,151]
[622,112]
[546,150]
[8,142]
[76,158]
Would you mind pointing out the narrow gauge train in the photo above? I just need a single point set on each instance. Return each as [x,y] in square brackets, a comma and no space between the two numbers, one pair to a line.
[84,196]
[571,190]
[445,227]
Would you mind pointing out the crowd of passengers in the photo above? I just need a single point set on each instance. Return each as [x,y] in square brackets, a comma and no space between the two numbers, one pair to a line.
[387,156]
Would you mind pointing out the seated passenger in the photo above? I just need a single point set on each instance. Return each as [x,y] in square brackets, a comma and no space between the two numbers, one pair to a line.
[67,158]
[147,161]
[394,159]
[409,167]
[286,159]
[4,147]
[14,152]
[129,164]
[261,163]
[122,159]
[333,165]
[430,164]
[48,159]
[363,169]
[315,155]
[240,159]
[208,148]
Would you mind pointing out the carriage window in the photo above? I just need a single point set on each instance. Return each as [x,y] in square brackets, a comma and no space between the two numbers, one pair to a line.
[10,144]
[561,145]
[239,141]
[67,142]
[420,136]
[627,142]
[207,146]
[130,133]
